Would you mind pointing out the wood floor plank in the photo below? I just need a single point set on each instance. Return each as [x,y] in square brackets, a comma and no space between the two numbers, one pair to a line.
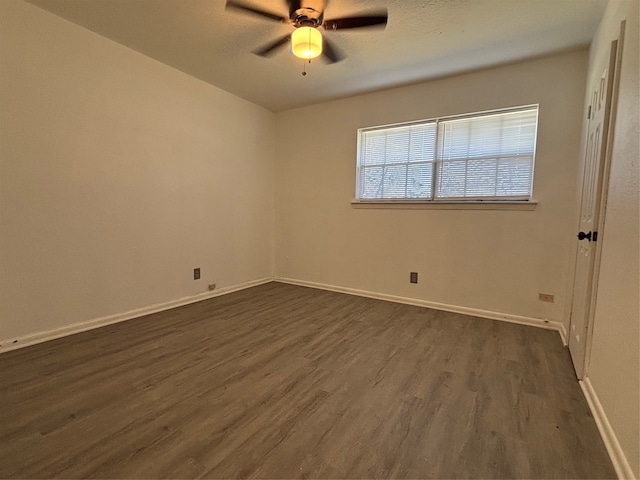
[280,381]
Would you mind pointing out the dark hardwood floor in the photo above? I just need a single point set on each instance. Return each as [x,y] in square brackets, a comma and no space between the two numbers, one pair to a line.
[280,381]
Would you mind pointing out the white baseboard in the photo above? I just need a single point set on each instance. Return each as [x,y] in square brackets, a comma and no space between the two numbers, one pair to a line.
[39,337]
[505,317]
[618,458]
[563,334]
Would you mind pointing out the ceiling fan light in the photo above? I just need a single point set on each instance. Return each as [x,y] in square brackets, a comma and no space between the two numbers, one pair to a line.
[306,42]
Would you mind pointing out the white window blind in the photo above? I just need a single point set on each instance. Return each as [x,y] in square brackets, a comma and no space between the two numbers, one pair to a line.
[397,162]
[488,156]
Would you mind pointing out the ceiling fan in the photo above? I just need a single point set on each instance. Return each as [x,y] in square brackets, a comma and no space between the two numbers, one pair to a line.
[307,17]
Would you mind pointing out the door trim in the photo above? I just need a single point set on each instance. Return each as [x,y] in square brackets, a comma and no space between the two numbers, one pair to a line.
[616,48]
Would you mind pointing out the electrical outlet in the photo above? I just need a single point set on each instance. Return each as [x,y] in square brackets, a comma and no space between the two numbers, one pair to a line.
[413,278]
[546,297]
[196,273]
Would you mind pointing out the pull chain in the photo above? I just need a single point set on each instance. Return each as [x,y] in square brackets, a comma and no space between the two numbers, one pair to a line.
[304,70]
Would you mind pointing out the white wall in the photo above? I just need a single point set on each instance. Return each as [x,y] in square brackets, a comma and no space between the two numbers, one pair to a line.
[118,176]
[495,261]
[614,368]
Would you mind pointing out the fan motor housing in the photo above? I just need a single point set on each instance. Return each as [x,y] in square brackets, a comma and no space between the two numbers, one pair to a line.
[307,17]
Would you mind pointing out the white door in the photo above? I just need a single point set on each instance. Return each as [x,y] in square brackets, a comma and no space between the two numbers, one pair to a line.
[586,238]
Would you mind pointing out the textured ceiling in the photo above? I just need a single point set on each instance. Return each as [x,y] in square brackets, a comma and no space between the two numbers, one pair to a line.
[423,39]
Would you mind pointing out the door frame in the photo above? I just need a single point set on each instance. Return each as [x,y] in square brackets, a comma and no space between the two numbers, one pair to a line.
[601,208]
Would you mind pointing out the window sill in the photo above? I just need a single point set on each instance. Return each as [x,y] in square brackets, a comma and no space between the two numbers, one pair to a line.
[447,205]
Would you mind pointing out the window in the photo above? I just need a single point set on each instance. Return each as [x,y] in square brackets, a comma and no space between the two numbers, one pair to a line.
[486,156]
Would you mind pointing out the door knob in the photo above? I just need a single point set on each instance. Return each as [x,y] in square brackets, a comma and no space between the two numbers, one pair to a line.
[582,236]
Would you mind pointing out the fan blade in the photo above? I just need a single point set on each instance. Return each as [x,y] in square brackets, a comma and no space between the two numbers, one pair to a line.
[256,11]
[270,48]
[379,19]
[330,53]
[293,6]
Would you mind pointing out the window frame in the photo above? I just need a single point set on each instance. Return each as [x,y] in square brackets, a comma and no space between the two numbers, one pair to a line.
[510,202]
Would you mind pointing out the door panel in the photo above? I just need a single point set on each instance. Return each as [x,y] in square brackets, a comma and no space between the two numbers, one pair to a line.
[595,152]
